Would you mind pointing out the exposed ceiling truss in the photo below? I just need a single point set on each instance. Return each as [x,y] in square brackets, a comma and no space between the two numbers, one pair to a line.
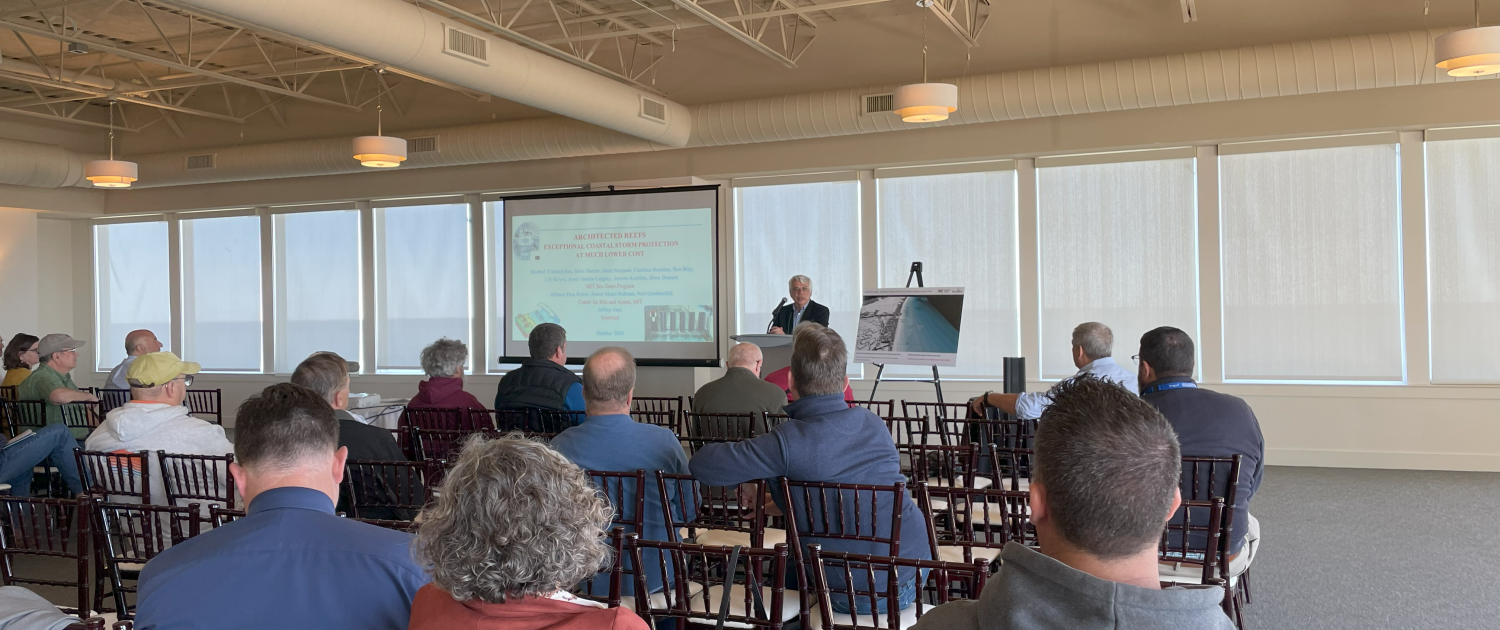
[966,18]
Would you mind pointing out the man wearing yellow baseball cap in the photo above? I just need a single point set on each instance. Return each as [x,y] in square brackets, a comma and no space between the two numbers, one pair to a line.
[155,418]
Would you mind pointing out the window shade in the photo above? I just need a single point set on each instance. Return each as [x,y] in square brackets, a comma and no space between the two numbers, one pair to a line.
[221,316]
[317,285]
[1463,254]
[421,281]
[132,278]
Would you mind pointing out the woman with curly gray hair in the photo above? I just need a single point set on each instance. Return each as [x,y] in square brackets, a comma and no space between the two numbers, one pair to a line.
[443,361]
[514,526]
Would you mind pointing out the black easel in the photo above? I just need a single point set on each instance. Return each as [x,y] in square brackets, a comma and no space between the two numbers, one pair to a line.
[937,383]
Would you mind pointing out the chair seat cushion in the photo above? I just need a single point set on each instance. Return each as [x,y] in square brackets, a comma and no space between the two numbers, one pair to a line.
[789,605]
[954,553]
[726,538]
[908,618]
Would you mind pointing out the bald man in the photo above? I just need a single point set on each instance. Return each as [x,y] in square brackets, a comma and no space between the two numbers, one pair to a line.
[740,390]
[137,343]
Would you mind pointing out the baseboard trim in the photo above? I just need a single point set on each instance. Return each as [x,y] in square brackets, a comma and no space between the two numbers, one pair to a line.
[1472,462]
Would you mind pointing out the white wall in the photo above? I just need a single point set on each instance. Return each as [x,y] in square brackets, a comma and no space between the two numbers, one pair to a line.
[18,272]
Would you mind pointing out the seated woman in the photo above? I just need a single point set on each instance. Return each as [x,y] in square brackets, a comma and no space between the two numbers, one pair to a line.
[515,525]
[443,361]
[20,355]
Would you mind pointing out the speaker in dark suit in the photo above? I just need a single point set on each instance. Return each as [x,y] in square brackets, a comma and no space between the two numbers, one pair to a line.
[814,312]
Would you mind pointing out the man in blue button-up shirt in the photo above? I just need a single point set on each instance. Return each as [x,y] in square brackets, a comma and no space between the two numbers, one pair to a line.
[1092,346]
[290,562]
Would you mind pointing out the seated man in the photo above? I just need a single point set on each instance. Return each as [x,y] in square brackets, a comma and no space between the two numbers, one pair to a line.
[328,374]
[443,361]
[290,562]
[825,441]
[1093,344]
[1105,484]
[543,381]
[610,440]
[1208,424]
[137,343]
[156,420]
[52,381]
[53,445]
[740,390]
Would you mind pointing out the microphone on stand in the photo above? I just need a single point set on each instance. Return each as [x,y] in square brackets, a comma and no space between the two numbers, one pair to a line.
[773,315]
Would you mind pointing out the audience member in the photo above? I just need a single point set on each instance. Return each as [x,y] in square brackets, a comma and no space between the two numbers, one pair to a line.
[802,309]
[610,440]
[289,562]
[1104,484]
[1208,424]
[137,343]
[20,356]
[1093,344]
[155,418]
[782,379]
[514,527]
[443,361]
[52,444]
[825,441]
[327,374]
[543,381]
[21,609]
[52,381]
[740,390]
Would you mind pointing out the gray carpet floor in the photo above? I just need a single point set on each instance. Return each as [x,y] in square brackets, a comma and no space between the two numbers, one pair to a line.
[1344,549]
[1351,548]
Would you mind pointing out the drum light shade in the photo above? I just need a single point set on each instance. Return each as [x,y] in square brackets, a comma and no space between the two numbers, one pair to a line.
[380,151]
[111,173]
[925,102]
[1471,52]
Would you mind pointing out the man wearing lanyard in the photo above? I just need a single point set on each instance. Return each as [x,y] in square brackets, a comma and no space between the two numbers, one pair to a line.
[1208,424]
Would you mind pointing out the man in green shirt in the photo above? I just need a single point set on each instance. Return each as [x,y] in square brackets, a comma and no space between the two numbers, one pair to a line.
[52,381]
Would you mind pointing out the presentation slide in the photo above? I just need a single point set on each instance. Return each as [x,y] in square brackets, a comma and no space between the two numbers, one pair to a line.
[636,269]
[911,326]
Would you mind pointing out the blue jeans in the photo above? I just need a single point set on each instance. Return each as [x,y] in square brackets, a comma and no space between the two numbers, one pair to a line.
[906,594]
[53,444]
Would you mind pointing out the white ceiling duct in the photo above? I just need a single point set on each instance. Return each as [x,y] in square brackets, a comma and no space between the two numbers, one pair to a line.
[403,35]
[43,165]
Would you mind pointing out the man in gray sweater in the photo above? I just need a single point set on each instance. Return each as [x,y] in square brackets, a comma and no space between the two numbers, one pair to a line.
[1104,485]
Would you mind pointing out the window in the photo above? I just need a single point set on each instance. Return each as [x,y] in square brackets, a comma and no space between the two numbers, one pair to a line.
[421,281]
[317,263]
[1118,245]
[221,316]
[494,226]
[807,229]
[962,227]
[1310,244]
[132,278]
[1463,228]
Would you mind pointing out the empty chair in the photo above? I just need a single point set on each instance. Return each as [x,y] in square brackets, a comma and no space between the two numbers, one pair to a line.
[954,411]
[205,402]
[965,524]
[882,408]
[671,404]
[951,466]
[201,478]
[1007,468]
[725,516]
[52,528]
[865,579]
[116,476]
[129,535]
[740,587]
[384,491]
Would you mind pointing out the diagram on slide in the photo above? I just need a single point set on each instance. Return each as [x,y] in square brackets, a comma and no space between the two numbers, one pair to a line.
[917,326]
[679,323]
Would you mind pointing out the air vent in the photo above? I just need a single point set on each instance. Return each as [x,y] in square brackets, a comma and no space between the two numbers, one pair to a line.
[424,144]
[466,45]
[654,110]
[200,162]
[877,104]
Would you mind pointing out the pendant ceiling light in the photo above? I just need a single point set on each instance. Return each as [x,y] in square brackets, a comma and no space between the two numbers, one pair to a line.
[925,102]
[379,151]
[111,173]
[1471,52]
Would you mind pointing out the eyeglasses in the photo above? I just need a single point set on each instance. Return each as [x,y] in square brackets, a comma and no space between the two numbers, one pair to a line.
[1137,359]
[187,380]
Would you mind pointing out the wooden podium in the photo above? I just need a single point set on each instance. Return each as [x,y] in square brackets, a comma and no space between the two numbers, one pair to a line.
[775,350]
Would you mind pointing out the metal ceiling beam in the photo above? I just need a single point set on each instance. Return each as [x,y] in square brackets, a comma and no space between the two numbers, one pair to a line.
[746,38]
[40,9]
[181,67]
[123,98]
[61,119]
[965,18]
[733,18]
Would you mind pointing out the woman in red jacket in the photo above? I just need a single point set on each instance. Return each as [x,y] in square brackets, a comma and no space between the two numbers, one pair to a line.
[514,526]
[443,361]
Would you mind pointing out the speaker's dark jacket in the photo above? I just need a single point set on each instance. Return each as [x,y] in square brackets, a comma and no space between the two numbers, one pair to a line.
[814,312]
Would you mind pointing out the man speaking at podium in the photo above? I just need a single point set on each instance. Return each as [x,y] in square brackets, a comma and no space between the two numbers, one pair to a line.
[802,308]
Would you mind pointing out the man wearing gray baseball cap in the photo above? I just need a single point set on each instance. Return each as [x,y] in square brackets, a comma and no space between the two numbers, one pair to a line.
[52,381]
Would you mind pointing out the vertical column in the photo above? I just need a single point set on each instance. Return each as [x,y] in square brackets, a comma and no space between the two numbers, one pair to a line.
[1210,291]
[1029,282]
[1414,258]
[267,292]
[869,246]
[478,272]
[174,281]
[367,287]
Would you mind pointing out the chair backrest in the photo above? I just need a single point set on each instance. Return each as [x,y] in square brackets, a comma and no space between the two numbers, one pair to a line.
[82,415]
[547,423]
[1007,468]
[8,392]
[203,478]
[954,411]
[696,577]
[626,494]
[730,508]
[650,403]
[57,528]
[409,527]
[20,415]
[1205,478]
[1198,542]
[113,475]
[664,419]
[387,491]
[111,398]
[906,430]
[434,445]
[862,585]
[1009,430]
[732,426]
[205,402]
[942,465]
[882,408]
[221,516]
[773,420]
[507,420]
[134,534]
[446,418]
[838,511]
[969,519]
